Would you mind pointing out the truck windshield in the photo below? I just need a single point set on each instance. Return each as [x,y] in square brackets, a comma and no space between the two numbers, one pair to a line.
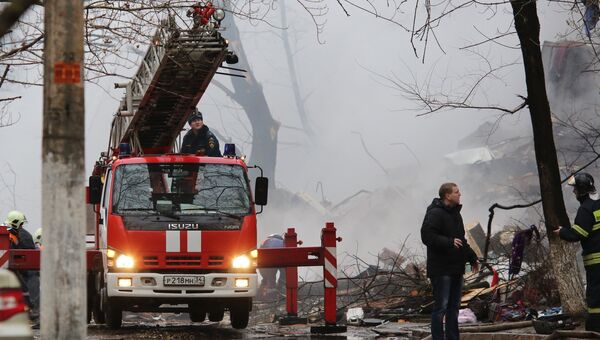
[181,190]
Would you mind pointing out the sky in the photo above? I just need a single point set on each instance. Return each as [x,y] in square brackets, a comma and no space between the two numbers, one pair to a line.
[342,73]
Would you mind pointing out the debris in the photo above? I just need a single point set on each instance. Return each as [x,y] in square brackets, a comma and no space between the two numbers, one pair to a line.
[551,311]
[574,334]
[354,316]
[470,156]
[476,238]
[466,315]
[372,321]
[491,328]
[401,329]
[549,324]
[495,327]
[507,312]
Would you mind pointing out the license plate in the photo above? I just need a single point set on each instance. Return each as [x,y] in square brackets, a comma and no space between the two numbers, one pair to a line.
[183,280]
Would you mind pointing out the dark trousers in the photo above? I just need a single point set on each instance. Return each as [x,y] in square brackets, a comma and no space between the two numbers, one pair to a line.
[446,302]
[269,278]
[592,292]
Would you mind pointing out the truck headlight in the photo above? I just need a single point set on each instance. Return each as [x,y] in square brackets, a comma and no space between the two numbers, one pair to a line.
[241,261]
[124,261]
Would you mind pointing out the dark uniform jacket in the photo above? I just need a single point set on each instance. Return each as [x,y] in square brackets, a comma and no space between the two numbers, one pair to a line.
[586,229]
[25,239]
[442,224]
[203,139]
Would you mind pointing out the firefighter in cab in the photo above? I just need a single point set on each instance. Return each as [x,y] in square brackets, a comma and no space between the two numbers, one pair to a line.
[199,139]
[586,229]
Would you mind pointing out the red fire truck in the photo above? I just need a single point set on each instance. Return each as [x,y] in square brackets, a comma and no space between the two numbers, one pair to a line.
[174,232]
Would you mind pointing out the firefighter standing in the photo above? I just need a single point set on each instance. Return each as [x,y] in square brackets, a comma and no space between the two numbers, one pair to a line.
[586,229]
[20,238]
[199,138]
[269,283]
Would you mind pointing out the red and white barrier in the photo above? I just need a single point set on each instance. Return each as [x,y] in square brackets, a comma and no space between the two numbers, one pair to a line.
[4,246]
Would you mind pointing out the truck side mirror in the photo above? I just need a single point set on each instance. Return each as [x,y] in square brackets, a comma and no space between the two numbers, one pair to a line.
[95,190]
[261,190]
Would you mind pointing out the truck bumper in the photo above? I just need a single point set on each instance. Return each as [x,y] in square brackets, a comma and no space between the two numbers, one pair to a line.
[151,285]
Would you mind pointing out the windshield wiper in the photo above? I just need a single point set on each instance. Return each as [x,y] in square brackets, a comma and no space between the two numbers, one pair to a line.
[154,212]
[134,209]
[223,213]
[217,212]
[170,214]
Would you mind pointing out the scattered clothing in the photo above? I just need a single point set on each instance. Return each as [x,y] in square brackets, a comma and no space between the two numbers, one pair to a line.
[521,239]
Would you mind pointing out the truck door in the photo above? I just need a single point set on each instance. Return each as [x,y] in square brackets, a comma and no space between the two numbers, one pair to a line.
[103,223]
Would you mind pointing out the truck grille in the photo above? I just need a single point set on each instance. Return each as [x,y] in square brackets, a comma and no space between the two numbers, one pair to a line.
[215,260]
[150,261]
[184,260]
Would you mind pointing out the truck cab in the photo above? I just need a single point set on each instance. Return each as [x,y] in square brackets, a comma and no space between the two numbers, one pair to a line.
[176,233]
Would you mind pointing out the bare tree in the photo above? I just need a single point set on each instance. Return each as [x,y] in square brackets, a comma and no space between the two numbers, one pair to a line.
[527,28]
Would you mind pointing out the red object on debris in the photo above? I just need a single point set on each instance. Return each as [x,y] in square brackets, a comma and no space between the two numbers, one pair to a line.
[494,277]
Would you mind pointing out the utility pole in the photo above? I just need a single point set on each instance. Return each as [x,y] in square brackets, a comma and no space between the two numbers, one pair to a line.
[63,272]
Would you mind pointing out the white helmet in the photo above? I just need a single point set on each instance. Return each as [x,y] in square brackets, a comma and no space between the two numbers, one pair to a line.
[15,219]
[37,236]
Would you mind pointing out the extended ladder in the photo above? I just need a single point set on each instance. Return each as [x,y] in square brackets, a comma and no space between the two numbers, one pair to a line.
[172,77]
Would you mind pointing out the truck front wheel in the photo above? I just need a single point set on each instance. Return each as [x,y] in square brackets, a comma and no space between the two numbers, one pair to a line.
[113,314]
[196,313]
[96,296]
[239,316]
[97,314]
[239,313]
[216,315]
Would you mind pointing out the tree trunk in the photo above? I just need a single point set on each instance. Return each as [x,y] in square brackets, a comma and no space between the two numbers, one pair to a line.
[63,293]
[563,256]
[289,56]
[249,94]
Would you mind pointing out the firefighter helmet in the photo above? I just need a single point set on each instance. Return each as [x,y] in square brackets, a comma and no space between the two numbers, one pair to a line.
[582,182]
[15,219]
[37,236]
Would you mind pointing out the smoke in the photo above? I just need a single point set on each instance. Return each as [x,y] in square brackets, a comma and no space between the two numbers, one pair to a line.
[367,138]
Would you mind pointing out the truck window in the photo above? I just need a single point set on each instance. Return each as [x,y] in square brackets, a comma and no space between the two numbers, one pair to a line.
[108,179]
[181,190]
